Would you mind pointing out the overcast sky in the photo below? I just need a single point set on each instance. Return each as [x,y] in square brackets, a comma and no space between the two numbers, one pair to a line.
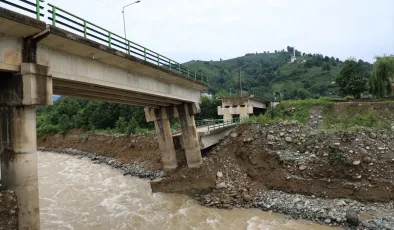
[212,29]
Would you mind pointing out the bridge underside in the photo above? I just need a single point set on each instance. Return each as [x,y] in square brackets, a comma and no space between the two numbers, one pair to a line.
[97,92]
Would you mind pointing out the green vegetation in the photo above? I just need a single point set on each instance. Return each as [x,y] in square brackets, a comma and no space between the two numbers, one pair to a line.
[68,113]
[297,110]
[311,76]
[354,119]
[336,157]
[383,72]
[351,79]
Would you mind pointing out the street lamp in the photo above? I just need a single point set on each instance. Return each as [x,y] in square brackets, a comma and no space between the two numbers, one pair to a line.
[124,21]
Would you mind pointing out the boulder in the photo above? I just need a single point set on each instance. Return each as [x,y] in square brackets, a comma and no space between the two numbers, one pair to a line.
[352,217]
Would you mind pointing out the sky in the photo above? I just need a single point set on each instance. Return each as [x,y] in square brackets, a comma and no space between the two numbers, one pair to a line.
[187,30]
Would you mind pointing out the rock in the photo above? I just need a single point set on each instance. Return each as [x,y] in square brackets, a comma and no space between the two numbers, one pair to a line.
[247,140]
[325,155]
[313,133]
[296,200]
[341,203]
[356,162]
[311,117]
[270,138]
[302,167]
[363,151]
[234,135]
[219,174]
[327,221]
[352,217]
[221,185]
[299,206]
[336,144]
[338,220]
[373,135]
[367,148]
[367,159]
[351,151]
[288,139]
[282,134]
[247,197]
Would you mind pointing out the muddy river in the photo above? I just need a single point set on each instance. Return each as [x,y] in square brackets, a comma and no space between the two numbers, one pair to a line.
[76,194]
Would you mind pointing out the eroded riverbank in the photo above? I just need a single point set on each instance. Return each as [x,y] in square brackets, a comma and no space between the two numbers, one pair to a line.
[76,194]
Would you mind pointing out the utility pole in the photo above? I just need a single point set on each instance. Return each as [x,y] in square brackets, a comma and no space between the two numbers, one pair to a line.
[124,21]
[240,82]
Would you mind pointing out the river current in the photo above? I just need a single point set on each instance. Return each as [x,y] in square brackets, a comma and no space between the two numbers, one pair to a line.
[77,194]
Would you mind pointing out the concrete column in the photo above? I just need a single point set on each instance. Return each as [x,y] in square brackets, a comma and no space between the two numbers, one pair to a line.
[19,94]
[227,117]
[189,134]
[19,161]
[161,117]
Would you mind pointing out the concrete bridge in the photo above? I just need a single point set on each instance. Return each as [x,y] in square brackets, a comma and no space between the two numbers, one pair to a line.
[84,60]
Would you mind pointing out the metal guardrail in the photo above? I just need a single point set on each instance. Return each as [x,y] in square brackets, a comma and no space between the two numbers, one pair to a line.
[80,26]
[212,124]
[224,124]
[29,6]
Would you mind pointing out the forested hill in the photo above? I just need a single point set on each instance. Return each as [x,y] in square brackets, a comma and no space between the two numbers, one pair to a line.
[312,75]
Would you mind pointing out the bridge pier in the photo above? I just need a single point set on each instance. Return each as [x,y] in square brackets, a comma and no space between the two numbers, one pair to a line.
[161,118]
[19,95]
[185,113]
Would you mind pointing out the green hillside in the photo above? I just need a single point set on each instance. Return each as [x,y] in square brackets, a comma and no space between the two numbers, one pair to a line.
[312,75]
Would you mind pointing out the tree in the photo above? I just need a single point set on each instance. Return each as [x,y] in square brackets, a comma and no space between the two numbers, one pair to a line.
[64,124]
[326,67]
[350,79]
[382,76]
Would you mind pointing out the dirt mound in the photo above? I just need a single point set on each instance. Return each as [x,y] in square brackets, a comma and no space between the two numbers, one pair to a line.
[295,158]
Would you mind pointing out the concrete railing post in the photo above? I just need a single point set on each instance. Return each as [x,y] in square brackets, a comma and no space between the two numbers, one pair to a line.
[162,117]
[185,113]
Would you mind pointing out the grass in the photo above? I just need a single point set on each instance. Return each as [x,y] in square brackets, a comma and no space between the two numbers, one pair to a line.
[297,110]
[351,119]
[354,120]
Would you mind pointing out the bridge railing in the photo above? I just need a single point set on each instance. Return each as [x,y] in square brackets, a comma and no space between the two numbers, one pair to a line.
[66,20]
[31,7]
[224,124]
[69,21]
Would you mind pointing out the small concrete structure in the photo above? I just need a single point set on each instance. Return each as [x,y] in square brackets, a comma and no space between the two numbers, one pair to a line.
[241,107]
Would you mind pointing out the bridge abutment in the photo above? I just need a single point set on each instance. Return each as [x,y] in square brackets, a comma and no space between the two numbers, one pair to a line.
[185,113]
[19,95]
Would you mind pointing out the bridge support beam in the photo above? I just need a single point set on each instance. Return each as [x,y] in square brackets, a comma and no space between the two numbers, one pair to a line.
[19,95]
[162,117]
[185,113]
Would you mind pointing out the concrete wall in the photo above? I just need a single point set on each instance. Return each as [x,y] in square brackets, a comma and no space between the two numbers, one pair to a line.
[10,53]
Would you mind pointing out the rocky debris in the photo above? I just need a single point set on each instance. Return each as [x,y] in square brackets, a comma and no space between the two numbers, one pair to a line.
[234,135]
[288,139]
[8,209]
[323,156]
[133,169]
[352,217]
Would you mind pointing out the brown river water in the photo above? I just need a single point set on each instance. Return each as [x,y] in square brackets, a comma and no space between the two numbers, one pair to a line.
[76,194]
